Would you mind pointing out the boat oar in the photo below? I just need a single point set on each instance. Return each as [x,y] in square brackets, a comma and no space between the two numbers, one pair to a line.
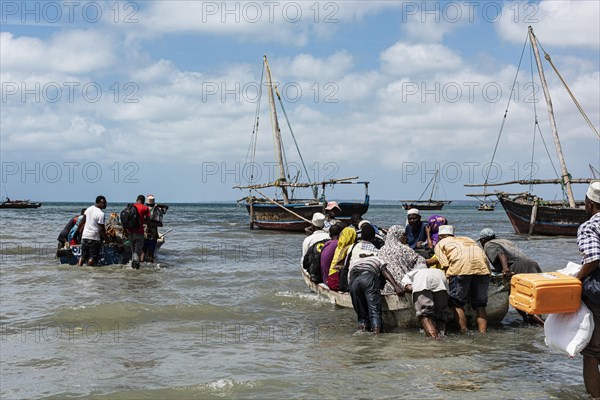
[161,235]
[285,208]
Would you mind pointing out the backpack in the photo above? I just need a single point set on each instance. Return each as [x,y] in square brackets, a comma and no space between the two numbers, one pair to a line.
[312,261]
[156,216]
[130,218]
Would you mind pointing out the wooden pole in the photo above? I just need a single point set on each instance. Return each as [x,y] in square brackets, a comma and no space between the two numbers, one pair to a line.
[565,174]
[251,213]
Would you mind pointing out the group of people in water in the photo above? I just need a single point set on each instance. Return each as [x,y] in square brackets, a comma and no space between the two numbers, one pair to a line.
[424,258]
[90,230]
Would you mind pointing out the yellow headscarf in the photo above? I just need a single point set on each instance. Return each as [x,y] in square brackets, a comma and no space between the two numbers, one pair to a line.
[347,238]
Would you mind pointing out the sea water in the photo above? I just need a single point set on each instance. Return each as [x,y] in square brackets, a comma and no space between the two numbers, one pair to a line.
[225,314]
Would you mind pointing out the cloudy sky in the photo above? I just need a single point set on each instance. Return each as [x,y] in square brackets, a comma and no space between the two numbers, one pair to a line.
[121,98]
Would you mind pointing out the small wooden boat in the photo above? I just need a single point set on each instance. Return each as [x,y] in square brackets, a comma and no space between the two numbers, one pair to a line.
[486,207]
[19,204]
[429,204]
[110,254]
[400,311]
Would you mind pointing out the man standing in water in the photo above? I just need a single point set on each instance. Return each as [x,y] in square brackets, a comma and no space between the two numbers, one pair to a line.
[93,232]
[468,275]
[588,241]
[136,235]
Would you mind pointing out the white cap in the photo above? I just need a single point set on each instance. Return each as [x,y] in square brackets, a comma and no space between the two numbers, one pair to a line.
[412,211]
[318,220]
[446,230]
[361,223]
[593,192]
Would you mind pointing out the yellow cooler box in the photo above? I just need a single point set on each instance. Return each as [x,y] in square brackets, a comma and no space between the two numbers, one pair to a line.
[545,293]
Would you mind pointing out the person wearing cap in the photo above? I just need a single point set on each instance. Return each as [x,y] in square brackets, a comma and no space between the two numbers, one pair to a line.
[588,241]
[357,221]
[152,224]
[318,234]
[331,210]
[506,258]
[468,275]
[415,233]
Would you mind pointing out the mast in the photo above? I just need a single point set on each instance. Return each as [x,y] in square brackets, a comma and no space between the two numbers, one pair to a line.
[434,182]
[276,133]
[565,174]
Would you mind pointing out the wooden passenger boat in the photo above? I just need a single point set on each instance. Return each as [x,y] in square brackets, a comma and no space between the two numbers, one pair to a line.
[286,212]
[19,204]
[528,213]
[399,310]
[110,254]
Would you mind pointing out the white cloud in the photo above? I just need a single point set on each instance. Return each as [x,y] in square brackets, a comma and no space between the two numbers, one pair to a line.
[76,51]
[555,23]
[404,59]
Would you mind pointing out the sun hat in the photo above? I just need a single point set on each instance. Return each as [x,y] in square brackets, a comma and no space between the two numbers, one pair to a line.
[487,233]
[331,205]
[318,220]
[593,192]
[446,230]
[149,199]
[361,223]
[413,211]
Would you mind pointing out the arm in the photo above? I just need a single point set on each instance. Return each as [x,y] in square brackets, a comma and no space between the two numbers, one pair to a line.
[388,276]
[429,241]
[587,269]
[504,262]
[103,234]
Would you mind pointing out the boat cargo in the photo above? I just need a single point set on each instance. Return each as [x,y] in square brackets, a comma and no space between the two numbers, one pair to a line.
[545,293]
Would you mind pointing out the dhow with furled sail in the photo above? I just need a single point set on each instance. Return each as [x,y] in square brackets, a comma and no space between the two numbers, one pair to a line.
[527,212]
[286,212]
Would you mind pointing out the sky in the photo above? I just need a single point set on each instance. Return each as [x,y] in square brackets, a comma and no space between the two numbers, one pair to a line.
[122,98]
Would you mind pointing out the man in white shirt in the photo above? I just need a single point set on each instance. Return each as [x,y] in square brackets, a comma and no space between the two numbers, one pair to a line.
[93,232]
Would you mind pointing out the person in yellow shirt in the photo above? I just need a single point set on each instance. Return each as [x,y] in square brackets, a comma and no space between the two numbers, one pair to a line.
[468,275]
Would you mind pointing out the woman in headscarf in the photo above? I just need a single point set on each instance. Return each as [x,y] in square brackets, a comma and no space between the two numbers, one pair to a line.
[433,224]
[345,241]
[399,257]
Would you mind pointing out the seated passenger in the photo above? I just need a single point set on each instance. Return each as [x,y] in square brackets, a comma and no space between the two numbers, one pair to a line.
[345,241]
[399,257]
[415,235]
[331,211]
[329,250]
[317,234]
[433,225]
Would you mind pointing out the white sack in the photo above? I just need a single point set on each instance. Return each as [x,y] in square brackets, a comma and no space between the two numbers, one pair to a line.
[569,332]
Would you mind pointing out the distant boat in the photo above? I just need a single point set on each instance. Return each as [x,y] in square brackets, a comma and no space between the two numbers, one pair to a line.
[8,203]
[291,213]
[486,207]
[529,213]
[429,204]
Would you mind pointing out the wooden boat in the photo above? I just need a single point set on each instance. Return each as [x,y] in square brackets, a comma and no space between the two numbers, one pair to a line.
[529,213]
[19,204]
[287,213]
[429,204]
[110,254]
[400,311]
[486,207]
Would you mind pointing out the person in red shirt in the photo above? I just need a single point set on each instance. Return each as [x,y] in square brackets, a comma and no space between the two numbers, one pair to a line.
[136,235]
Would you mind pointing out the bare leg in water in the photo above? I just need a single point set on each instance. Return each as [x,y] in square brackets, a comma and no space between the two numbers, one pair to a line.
[481,319]
[461,319]
[429,327]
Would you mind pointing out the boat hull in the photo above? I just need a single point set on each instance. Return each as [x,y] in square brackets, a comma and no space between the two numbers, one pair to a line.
[550,220]
[109,255]
[19,205]
[434,205]
[271,216]
[399,310]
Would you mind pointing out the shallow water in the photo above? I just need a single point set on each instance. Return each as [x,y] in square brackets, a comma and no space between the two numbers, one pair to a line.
[225,314]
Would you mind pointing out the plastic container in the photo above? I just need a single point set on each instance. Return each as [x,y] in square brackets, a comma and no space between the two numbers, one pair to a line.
[545,293]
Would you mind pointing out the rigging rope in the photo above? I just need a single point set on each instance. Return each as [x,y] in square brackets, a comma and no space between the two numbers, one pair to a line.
[547,57]
[487,175]
[253,140]
[315,189]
